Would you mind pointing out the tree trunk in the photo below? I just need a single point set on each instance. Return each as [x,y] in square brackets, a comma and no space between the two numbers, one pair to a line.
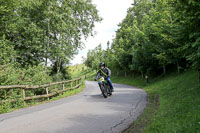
[164,69]
[125,74]
[58,65]
[142,73]
[178,68]
[48,31]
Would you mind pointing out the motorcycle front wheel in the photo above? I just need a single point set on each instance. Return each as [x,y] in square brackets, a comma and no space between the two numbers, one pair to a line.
[104,91]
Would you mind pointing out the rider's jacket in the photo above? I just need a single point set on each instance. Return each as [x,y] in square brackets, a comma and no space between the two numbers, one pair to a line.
[106,72]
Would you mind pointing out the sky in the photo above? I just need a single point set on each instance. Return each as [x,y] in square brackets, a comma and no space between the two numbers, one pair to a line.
[112,12]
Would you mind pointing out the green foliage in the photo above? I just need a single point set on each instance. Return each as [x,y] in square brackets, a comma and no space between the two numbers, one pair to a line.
[154,36]
[46,30]
[189,29]
[35,76]
[7,52]
[95,57]
[14,75]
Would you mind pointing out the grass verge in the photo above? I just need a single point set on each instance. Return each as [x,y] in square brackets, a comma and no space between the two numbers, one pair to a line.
[174,104]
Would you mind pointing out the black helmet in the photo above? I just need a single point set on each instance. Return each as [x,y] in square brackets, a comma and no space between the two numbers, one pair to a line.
[102,64]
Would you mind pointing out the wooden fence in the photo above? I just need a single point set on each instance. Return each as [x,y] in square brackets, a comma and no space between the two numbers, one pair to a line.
[72,84]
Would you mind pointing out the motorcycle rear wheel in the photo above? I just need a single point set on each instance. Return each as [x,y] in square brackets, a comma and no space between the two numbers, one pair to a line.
[109,90]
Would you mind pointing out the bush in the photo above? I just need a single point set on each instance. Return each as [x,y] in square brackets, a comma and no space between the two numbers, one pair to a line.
[12,74]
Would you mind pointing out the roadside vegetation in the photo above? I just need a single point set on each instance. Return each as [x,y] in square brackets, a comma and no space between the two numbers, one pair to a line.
[10,106]
[173,103]
[11,75]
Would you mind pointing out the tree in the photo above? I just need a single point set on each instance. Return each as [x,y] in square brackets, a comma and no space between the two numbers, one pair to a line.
[47,29]
[189,30]
[7,25]
[156,35]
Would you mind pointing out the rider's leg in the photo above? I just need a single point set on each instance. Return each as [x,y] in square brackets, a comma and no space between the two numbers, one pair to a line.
[99,82]
[110,82]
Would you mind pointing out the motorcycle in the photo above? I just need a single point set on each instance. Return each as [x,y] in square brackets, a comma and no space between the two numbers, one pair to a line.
[105,87]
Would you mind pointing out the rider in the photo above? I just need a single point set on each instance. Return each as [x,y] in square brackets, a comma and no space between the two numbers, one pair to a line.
[106,73]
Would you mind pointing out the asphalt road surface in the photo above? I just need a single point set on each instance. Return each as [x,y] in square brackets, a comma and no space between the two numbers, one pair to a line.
[86,112]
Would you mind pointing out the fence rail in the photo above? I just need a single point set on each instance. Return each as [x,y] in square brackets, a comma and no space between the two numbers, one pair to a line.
[46,87]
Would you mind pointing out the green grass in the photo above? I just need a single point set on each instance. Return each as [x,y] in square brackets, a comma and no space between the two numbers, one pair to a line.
[77,70]
[82,71]
[134,81]
[178,107]
[69,93]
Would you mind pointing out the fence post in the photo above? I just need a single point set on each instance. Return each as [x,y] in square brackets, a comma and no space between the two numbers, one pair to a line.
[75,82]
[71,84]
[47,92]
[79,82]
[63,87]
[24,95]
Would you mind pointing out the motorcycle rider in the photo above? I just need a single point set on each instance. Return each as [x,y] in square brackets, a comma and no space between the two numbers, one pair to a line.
[106,73]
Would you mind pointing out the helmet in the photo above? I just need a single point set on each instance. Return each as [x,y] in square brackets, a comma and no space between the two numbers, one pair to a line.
[102,64]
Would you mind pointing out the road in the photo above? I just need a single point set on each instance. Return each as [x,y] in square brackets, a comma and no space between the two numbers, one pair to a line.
[86,112]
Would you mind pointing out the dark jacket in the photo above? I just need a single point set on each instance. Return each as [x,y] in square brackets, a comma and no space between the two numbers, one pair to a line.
[107,73]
